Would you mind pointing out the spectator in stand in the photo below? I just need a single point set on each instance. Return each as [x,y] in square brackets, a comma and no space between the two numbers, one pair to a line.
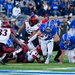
[22,5]
[46,8]
[1,4]
[28,10]
[2,1]
[51,1]
[16,10]
[64,26]
[69,19]
[68,10]
[71,2]
[8,6]
[74,3]
[38,4]
[46,19]
[56,23]
[63,5]
[31,2]
[35,10]
[41,11]
[55,8]
[49,11]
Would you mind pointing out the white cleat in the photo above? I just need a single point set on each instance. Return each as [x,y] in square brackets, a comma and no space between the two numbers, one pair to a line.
[47,61]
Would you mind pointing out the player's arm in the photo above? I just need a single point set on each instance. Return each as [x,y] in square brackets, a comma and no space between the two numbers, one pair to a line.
[16,41]
[35,36]
[56,38]
[62,56]
[21,28]
[38,60]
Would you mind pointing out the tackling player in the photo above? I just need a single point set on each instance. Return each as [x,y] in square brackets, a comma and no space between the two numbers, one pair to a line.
[5,34]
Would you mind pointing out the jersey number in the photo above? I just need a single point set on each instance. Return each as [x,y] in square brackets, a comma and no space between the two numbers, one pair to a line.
[3,32]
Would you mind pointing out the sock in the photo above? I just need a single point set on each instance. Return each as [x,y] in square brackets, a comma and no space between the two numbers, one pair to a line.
[1,58]
[16,52]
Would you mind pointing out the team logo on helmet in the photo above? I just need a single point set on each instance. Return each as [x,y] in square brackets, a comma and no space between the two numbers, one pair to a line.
[48,26]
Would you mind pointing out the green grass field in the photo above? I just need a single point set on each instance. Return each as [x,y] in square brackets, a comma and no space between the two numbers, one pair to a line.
[52,66]
[39,66]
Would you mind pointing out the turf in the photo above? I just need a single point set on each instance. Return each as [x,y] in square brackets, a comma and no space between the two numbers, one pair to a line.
[52,66]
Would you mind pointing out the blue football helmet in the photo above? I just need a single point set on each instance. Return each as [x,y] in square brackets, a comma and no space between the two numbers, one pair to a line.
[48,26]
[66,39]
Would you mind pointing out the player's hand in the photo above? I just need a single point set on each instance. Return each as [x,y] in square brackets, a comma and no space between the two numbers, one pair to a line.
[17,35]
[22,43]
[62,28]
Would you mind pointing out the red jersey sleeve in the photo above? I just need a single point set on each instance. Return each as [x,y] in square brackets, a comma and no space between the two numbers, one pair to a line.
[44,21]
[12,31]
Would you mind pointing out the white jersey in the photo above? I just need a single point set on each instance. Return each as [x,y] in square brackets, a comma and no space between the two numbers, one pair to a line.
[0,23]
[31,54]
[30,29]
[4,35]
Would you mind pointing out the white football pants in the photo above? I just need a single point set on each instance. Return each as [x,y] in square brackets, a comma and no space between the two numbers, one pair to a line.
[47,47]
[71,54]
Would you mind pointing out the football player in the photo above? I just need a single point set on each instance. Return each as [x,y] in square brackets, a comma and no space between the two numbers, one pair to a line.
[49,36]
[67,44]
[5,33]
[31,26]
[46,19]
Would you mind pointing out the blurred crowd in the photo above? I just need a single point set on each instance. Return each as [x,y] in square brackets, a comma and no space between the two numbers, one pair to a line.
[12,8]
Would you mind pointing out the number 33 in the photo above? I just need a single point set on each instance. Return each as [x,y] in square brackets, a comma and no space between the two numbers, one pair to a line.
[3,32]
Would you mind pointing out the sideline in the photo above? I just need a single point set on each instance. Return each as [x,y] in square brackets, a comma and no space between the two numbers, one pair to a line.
[38,72]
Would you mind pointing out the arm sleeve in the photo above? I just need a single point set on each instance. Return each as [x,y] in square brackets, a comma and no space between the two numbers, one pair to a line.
[32,38]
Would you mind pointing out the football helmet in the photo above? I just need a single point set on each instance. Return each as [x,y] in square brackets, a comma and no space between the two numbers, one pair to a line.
[6,25]
[66,39]
[48,26]
[34,20]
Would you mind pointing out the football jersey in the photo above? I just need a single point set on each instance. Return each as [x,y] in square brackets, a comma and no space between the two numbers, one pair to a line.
[33,54]
[4,35]
[48,35]
[70,46]
[44,21]
[30,29]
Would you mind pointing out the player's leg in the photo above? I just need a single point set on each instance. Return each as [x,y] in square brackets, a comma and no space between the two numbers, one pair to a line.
[70,56]
[2,57]
[30,46]
[50,50]
[57,48]
[7,50]
[44,49]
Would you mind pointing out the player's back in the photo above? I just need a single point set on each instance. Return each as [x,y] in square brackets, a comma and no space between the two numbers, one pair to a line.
[4,35]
